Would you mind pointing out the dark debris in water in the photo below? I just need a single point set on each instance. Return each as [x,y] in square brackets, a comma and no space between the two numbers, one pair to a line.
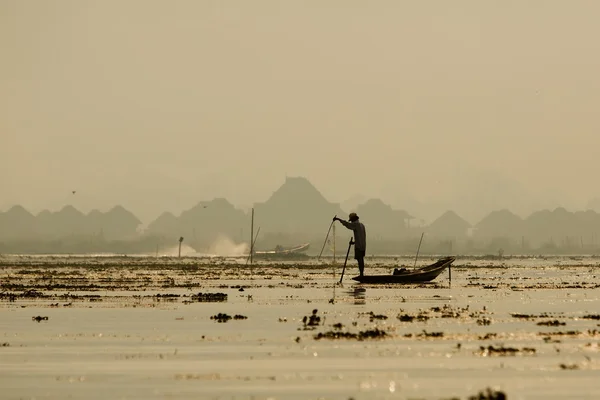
[529,316]
[221,317]
[39,318]
[210,297]
[551,323]
[569,366]
[411,318]
[362,335]
[311,321]
[488,394]
[596,317]
[504,351]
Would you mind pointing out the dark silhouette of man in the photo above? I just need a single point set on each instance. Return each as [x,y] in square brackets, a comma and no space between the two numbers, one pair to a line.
[360,239]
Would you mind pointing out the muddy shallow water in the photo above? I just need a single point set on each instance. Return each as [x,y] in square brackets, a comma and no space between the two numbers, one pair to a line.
[142,327]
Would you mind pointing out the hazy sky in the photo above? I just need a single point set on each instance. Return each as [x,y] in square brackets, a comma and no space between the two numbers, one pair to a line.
[156,105]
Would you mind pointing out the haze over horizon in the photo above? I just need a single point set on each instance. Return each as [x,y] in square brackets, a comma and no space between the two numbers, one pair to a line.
[429,106]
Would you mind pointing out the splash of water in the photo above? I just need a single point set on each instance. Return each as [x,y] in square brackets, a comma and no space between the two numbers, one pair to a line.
[186,251]
[225,247]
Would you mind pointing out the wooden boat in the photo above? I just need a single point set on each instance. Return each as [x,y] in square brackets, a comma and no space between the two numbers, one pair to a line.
[424,274]
[279,250]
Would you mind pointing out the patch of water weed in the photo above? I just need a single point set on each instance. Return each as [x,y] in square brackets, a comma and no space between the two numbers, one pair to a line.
[567,333]
[551,323]
[488,394]
[39,318]
[209,297]
[6,344]
[490,351]
[362,335]
[221,317]
[484,321]
[596,317]
[528,316]
[569,366]
[488,336]
[166,297]
[373,316]
[426,334]
[411,318]
[312,321]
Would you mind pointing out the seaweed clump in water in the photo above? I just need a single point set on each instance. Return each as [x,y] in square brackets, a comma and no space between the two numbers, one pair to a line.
[210,297]
[504,351]
[362,335]
[489,394]
[311,321]
[551,323]
[221,317]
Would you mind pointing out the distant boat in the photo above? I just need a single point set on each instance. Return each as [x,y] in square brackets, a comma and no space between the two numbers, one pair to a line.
[419,275]
[280,250]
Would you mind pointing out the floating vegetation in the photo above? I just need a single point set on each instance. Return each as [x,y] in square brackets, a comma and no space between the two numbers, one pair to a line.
[551,323]
[430,334]
[569,366]
[484,321]
[39,318]
[6,344]
[411,318]
[488,336]
[209,297]
[362,335]
[373,316]
[504,351]
[529,316]
[220,317]
[489,394]
[596,316]
[311,321]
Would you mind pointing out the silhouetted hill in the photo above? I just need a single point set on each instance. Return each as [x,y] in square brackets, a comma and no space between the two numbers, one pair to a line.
[382,221]
[297,206]
[449,225]
[17,222]
[502,223]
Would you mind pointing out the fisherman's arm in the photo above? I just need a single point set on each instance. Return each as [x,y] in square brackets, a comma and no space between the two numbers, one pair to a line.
[347,224]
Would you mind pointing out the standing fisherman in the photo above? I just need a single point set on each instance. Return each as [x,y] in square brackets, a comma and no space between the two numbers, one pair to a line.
[360,239]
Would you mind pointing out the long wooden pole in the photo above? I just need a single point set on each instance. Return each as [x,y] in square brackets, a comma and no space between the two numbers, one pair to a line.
[414,266]
[346,261]
[334,245]
[325,241]
[252,236]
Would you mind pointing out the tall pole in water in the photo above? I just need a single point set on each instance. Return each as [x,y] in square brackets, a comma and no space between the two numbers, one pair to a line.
[334,244]
[252,236]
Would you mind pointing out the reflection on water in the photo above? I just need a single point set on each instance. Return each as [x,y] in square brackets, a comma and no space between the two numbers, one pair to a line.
[359,295]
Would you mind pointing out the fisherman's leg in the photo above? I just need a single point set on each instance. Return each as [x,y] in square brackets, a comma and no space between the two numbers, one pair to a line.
[361,265]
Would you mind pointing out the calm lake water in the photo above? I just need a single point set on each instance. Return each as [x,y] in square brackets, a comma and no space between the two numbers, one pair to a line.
[129,328]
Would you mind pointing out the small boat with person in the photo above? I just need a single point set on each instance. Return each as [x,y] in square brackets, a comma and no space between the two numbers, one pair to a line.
[404,275]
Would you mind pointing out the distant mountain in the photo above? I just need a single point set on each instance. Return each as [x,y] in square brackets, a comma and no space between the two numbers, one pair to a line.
[17,223]
[297,206]
[350,204]
[382,221]
[502,223]
[449,225]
